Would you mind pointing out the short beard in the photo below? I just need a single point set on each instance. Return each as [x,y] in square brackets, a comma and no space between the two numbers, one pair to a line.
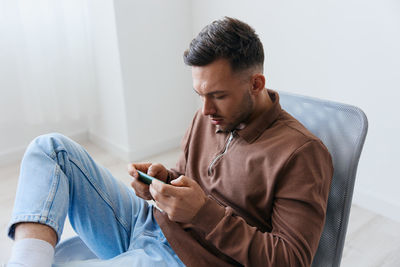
[246,109]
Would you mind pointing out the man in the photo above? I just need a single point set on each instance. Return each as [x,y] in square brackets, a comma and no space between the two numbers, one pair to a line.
[250,188]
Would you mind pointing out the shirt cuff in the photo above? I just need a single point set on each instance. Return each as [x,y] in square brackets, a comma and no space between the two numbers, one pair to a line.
[209,215]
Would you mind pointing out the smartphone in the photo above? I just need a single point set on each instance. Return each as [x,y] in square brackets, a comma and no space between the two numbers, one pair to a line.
[147,179]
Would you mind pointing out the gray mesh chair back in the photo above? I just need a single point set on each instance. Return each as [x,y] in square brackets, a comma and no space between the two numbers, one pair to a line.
[342,128]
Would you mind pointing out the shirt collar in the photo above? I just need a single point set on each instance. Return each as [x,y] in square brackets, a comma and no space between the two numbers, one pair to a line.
[238,128]
[254,129]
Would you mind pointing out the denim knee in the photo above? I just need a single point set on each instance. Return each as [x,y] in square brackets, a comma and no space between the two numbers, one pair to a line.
[53,143]
[39,181]
[51,140]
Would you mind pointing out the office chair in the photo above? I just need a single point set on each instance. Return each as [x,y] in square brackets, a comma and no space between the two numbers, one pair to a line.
[342,128]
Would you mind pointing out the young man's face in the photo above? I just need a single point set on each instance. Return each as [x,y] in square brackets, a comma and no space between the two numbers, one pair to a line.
[226,95]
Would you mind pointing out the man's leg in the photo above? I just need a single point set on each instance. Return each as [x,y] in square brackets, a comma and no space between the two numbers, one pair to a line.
[58,176]
[37,231]
[34,246]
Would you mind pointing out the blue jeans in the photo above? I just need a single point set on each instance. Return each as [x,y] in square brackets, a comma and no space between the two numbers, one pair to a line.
[58,177]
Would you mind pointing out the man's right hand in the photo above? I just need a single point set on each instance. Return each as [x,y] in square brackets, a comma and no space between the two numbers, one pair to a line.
[156,170]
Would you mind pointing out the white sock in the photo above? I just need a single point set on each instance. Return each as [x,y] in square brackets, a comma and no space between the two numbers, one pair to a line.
[30,252]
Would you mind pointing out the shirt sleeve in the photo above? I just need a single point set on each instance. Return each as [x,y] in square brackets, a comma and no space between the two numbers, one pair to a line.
[297,217]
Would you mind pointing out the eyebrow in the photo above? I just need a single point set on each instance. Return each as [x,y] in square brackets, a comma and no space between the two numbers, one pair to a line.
[211,93]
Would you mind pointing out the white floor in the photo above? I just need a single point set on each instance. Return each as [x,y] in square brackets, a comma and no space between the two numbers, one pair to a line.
[372,240]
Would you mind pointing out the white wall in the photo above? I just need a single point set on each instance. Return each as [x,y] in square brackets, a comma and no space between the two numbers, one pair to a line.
[347,51]
[159,99]
[87,68]
[108,125]
[143,90]
[46,73]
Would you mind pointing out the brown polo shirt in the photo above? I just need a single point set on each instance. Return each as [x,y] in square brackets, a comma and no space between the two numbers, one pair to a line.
[267,191]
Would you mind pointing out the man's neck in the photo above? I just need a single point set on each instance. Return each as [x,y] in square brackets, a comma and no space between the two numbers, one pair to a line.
[262,103]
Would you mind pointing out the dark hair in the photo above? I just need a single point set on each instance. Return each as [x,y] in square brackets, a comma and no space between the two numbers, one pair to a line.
[227,38]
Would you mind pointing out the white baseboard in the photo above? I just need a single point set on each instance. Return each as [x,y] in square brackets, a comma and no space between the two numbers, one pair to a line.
[136,154]
[389,208]
[15,155]
[155,148]
[109,146]
[79,137]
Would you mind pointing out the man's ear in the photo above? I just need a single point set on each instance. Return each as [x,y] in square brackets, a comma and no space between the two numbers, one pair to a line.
[258,83]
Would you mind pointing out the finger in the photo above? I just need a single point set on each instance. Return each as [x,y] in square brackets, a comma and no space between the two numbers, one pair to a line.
[155,169]
[141,189]
[167,190]
[162,202]
[134,167]
[161,187]
[132,170]
[159,171]
[157,194]
[182,181]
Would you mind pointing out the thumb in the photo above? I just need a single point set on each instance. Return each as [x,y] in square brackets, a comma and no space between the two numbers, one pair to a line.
[181,181]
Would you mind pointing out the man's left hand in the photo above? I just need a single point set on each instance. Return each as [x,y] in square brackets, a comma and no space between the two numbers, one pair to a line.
[181,200]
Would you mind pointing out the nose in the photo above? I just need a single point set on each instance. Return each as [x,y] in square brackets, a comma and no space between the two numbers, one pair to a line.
[208,107]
